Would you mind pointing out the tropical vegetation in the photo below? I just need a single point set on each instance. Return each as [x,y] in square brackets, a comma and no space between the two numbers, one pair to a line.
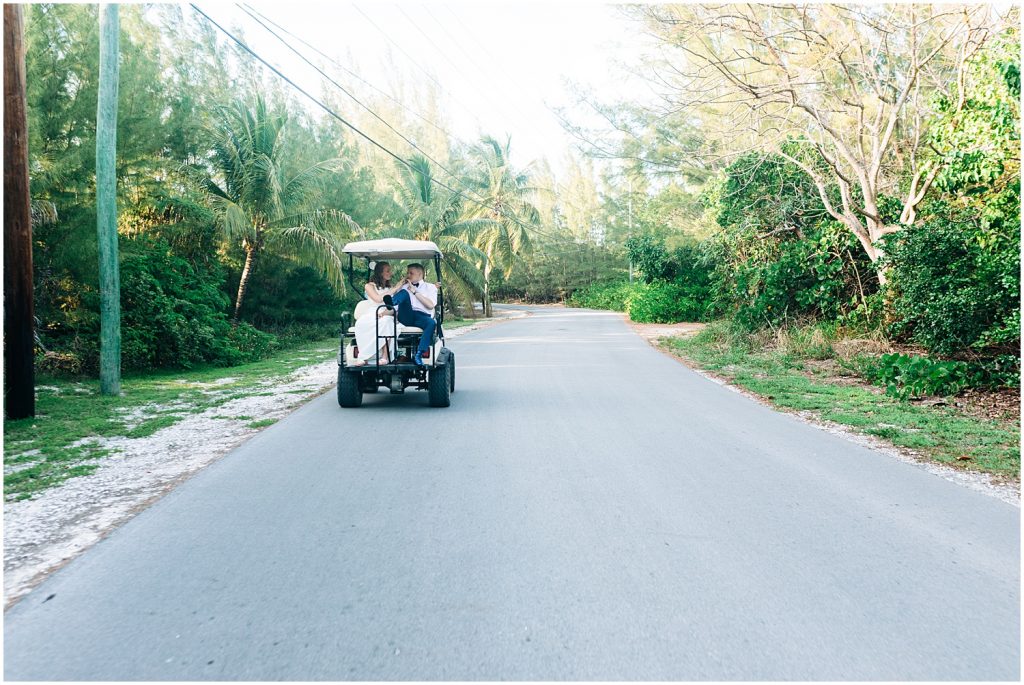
[805,171]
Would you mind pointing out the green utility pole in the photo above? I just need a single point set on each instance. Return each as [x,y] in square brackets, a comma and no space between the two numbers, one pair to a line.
[19,315]
[106,204]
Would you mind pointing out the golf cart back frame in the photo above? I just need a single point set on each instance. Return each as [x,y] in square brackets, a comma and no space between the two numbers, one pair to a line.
[436,375]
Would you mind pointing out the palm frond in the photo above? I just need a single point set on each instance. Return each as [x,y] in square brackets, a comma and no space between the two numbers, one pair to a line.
[236,224]
[318,242]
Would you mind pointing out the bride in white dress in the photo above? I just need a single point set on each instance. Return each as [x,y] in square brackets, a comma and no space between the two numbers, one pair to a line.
[367,327]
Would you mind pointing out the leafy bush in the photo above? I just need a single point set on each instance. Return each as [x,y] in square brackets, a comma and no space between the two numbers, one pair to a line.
[650,257]
[907,376]
[954,287]
[612,296]
[768,193]
[662,302]
[58,363]
[173,315]
[868,316]
[913,376]
[769,281]
[552,272]
[248,344]
[288,294]
[294,334]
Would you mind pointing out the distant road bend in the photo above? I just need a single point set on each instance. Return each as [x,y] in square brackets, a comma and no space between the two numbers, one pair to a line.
[588,508]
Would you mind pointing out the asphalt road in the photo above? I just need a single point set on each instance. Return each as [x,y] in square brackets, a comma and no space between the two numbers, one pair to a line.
[587,508]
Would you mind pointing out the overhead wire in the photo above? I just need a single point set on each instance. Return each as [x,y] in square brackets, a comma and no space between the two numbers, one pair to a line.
[472,60]
[351,72]
[358,131]
[417,64]
[478,200]
[445,56]
[574,130]
[350,94]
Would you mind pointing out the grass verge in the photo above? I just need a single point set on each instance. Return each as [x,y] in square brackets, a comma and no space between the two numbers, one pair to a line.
[451,324]
[63,440]
[940,433]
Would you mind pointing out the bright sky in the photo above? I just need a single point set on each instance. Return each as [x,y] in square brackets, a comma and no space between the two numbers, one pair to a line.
[500,64]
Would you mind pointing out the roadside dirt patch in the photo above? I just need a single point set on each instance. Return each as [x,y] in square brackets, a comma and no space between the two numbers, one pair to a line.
[996,405]
[654,331]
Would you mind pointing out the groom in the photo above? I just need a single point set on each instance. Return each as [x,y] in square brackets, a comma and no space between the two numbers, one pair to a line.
[415,306]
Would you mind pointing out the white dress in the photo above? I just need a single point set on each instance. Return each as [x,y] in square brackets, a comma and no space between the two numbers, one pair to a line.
[367,330]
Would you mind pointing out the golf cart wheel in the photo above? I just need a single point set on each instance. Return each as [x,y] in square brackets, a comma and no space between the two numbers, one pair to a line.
[451,371]
[349,394]
[439,388]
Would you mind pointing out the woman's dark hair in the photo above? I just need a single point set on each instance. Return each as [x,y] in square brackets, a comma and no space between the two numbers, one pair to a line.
[378,276]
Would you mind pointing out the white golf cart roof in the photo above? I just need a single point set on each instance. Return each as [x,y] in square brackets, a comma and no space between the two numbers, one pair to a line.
[394,248]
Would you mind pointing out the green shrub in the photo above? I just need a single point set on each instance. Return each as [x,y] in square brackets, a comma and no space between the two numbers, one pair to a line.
[283,295]
[294,334]
[650,257]
[661,302]
[955,287]
[656,302]
[173,315]
[250,344]
[907,376]
[612,296]
[553,272]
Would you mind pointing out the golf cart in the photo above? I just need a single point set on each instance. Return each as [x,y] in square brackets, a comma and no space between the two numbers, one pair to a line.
[436,375]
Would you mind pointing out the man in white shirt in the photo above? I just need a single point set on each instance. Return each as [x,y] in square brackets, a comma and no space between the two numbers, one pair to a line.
[415,306]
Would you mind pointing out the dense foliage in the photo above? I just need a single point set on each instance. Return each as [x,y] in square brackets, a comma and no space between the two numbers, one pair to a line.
[770,252]
[234,200]
[955,292]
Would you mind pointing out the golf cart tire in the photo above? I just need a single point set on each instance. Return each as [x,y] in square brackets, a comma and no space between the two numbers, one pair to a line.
[439,388]
[451,371]
[349,394]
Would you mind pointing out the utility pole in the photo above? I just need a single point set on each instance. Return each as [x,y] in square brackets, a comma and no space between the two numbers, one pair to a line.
[106,204]
[19,307]
[630,234]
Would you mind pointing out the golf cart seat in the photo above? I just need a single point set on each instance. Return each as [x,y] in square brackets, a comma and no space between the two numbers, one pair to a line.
[364,306]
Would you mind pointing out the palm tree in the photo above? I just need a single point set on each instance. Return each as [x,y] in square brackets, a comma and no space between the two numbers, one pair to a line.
[508,197]
[435,214]
[260,206]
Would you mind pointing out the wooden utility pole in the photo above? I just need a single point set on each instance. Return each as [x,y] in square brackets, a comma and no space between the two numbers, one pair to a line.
[106,204]
[19,310]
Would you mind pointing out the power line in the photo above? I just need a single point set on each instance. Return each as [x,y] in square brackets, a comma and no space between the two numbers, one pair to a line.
[483,49]
[297,87]
[351,72]
[417,65]
[431,77]
[443,54]
[368,138]
[572,129]
[347,92]
[454,176]
[472,60]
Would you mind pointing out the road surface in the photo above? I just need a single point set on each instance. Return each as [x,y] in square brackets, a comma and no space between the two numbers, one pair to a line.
[587,508]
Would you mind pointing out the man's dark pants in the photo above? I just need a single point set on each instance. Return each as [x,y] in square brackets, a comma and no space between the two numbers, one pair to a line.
[408,316]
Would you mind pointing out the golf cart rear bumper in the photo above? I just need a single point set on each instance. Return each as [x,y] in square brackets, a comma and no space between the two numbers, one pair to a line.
[388,368]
